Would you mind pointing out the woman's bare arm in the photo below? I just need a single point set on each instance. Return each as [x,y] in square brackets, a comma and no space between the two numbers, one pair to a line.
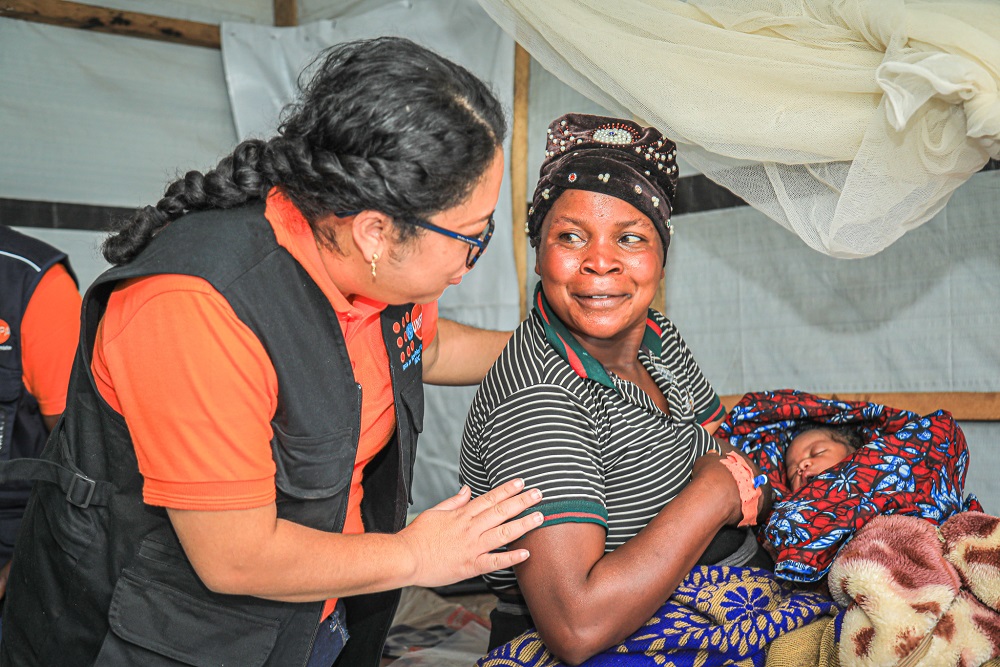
[584,601]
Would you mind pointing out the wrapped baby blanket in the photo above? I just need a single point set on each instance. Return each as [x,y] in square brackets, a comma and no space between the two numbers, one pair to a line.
[717,616]
[912,465]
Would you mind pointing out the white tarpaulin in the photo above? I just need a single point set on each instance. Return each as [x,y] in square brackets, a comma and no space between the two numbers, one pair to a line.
[91,118]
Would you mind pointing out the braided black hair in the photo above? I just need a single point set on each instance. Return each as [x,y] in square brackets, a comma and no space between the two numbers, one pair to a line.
[382,124]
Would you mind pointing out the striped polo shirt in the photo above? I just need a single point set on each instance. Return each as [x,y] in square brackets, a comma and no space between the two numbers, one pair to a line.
[597,446]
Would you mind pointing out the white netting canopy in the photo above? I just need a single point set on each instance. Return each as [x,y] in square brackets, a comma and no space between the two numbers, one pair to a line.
[849,122]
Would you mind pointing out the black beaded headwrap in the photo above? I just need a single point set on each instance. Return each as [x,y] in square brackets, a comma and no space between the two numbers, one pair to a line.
[612,156]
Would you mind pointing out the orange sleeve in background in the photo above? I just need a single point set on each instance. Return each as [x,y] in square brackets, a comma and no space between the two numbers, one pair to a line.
[50,331]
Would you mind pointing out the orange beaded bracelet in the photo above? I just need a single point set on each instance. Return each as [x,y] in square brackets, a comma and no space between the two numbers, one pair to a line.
[748,485]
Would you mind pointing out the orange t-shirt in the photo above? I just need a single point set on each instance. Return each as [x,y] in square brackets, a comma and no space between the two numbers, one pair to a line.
[198,390]
[50,332]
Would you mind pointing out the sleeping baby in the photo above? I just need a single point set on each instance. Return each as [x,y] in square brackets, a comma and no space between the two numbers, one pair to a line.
[816,448]
[837,464]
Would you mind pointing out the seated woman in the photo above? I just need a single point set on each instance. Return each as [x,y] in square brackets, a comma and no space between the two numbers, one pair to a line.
[598,402]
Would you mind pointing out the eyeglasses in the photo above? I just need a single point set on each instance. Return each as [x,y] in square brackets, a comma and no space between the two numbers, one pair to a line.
[477,246]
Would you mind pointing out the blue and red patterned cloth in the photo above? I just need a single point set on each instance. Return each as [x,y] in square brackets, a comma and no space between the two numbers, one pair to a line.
[912,465]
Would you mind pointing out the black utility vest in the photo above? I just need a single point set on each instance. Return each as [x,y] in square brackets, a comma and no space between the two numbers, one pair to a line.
[99,577]
[23,262]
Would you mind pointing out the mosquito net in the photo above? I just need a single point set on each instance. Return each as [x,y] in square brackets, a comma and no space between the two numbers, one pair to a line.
[847,121]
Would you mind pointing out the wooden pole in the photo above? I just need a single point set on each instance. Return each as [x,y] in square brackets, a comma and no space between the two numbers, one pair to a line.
[660,297]
[963,405]
[519,172]
[112,21]
[286,13]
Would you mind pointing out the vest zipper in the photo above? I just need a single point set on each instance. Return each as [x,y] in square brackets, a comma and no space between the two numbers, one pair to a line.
[343,521]
[312,642]
[343,516]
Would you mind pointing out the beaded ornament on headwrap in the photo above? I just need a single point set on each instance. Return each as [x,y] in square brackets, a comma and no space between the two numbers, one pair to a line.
[613,156]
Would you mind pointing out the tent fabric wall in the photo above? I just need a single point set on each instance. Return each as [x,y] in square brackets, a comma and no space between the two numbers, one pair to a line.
[91,118]
[762,311]
[983,478]
[262,64]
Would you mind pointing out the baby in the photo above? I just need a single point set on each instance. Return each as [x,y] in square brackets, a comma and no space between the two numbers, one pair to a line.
[817,448]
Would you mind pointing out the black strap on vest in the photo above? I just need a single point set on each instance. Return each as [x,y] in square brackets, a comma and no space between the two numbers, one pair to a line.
[80,490]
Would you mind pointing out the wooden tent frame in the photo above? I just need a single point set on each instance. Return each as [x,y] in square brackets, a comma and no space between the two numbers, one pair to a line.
[964,406]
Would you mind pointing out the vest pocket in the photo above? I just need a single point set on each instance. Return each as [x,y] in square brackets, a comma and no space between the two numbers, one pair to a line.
[311,467]
[154,625]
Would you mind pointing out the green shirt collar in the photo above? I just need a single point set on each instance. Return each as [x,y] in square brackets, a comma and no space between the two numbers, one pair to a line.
[579,359]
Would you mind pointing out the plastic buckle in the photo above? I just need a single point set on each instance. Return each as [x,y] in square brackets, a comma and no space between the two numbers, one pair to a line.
[85,503]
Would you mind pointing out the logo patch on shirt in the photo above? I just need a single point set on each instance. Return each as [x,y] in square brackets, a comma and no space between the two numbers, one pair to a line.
[4,335]
[663,370]
[409,336]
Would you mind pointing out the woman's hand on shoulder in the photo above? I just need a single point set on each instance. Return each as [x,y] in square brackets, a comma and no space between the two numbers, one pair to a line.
[457,538]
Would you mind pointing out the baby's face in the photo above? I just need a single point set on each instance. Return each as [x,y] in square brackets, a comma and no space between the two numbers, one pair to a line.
[810,454]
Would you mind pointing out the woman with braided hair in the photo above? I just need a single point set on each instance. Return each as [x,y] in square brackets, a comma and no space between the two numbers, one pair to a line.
[229,482]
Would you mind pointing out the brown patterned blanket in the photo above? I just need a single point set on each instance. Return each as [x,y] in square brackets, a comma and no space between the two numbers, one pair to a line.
[916,594]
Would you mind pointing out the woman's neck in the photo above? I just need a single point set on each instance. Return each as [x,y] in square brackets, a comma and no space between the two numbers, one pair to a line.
[344,271]
[620,355]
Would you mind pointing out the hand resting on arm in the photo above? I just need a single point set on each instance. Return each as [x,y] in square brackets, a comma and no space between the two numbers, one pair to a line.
[252,552]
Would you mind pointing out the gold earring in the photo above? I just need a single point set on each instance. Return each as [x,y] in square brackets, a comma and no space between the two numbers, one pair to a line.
[374,259]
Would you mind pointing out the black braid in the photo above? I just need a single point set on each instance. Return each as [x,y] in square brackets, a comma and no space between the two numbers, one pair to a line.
[381,124]
[236,180]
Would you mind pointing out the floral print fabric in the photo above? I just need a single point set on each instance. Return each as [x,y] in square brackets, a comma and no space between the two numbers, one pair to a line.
[717,616]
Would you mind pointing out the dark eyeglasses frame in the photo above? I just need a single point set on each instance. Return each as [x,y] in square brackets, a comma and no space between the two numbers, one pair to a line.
[476,246]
